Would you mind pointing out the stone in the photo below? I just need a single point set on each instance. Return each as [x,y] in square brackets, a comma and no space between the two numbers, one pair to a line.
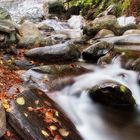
[4,14]
[2,120]
[97,50]
[123,40]
[106,22]
[104,33]
[55,54]
[132,31]
[112,93]
[24,64]
[7,26]
[29,34]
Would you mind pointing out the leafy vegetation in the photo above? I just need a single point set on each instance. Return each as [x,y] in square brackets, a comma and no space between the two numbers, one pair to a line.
[101,5]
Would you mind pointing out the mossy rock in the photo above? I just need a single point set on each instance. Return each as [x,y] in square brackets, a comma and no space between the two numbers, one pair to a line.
[112,93]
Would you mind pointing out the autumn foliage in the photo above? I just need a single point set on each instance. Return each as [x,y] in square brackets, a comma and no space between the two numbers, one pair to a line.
[134,8]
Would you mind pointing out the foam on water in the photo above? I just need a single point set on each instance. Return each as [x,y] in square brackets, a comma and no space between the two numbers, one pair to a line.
[84,113]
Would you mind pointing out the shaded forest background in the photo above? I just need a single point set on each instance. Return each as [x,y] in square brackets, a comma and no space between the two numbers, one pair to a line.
[127,7]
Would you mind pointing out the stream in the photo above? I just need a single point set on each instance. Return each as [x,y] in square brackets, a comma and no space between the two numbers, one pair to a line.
[93,120]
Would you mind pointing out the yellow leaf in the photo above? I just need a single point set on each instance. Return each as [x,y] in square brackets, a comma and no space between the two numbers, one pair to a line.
[20,101]
[63,132]
[44,133]
[5,104]
[123,88]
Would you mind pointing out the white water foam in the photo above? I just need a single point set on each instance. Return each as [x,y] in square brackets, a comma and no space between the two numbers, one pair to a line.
[84,113]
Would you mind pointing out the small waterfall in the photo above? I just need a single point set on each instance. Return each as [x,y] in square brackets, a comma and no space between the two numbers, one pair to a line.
[88,116]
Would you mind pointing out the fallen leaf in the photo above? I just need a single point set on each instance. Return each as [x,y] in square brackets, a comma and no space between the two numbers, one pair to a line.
[44,133]
[20,100]
[63,132]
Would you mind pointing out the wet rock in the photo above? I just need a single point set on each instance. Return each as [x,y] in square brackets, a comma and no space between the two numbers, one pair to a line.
[123,40]
[7,26]
[106,22]
[94,52]
[104,33]
[4,14]
[2,120]
[134,31]
[8,33]
[44,26]
[61,70]
[24,64]
[133,64]
[54,54]
[30,35]
[113,94]
[123,29]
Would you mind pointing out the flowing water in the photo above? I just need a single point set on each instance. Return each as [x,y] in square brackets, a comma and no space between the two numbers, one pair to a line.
[94,121]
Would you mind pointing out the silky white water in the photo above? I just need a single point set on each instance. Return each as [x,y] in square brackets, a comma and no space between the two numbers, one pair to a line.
[85,114]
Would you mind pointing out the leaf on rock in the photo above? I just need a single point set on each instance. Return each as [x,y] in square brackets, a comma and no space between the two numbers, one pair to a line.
[20,101]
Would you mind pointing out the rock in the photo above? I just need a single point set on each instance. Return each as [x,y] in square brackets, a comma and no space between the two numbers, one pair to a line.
[4,14]
[54,54]
[61,70]
[133,64]
[95,51]
[7,26]
[123,21]
[106,22]
[134,31]
[8,33]
[113,94]
[24,64]
[2,120]
[30,35]
[53,7]
[123,29]
[44,26]
[123,40]
[104,33]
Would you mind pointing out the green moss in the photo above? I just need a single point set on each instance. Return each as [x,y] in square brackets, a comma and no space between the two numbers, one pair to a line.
[125,4]
[101,5]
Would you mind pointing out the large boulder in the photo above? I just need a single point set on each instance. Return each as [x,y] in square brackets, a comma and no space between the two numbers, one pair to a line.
[55,54]
[106,22]
[29,34]
[97,50]
[2,120]
[112,93]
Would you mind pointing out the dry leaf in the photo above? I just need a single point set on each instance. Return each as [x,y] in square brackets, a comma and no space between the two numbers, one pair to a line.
[20,101]
[44,133]
[63,132]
